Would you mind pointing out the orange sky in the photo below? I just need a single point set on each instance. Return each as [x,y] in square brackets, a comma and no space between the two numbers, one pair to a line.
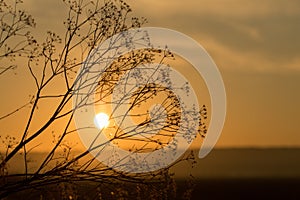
[256,47]
[255,44]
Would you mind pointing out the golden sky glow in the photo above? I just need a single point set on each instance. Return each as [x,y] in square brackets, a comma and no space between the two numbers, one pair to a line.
[255,44]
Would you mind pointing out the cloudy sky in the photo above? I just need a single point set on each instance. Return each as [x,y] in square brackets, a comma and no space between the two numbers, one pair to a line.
[256,46]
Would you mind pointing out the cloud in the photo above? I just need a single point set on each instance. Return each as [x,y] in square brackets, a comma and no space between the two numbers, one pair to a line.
[231,59]
[240,34]
[228,8]
[246,35]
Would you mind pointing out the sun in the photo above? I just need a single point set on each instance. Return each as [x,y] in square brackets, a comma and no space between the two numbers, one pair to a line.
[101,120]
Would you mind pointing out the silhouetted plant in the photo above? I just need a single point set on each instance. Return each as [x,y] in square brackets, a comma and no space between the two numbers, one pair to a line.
[57,61]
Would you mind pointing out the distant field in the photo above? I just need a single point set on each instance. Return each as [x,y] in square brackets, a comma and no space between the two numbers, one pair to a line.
[245,163]
[226,163]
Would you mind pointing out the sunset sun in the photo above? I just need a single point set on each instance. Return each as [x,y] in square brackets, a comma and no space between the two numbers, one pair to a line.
[101,120]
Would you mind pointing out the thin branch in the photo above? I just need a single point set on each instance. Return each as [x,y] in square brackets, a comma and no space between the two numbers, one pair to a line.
[15,111]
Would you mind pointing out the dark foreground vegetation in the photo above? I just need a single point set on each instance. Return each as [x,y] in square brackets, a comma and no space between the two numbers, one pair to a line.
[223,188]
[262,188]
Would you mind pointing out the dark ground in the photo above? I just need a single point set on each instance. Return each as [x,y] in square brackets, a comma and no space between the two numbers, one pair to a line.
[201,189]
[245,189]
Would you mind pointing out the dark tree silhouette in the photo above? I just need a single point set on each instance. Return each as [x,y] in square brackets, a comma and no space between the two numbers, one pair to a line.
[61,60]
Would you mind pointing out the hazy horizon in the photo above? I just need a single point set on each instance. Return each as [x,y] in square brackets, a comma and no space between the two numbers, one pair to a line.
[220,163]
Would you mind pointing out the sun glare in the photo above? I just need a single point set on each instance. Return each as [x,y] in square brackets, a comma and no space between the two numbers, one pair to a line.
[101,120]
